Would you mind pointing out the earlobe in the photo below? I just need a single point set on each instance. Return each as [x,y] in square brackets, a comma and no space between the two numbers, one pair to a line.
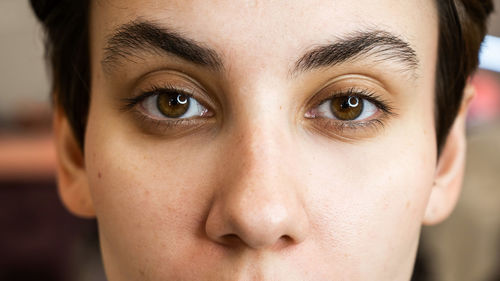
[450,169]
[71,174]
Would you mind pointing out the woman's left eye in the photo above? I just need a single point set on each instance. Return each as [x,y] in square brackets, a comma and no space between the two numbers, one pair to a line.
[172,105]
[346,108]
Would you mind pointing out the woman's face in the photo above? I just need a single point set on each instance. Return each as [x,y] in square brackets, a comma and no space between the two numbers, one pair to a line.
[261,140]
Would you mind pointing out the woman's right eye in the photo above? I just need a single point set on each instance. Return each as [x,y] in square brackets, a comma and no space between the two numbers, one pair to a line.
[172,104]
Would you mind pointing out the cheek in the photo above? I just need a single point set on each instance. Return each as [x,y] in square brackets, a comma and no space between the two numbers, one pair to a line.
[149,197]
[373,196]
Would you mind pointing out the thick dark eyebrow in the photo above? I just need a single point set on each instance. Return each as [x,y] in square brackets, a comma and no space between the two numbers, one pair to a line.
[383,45]
[130,39]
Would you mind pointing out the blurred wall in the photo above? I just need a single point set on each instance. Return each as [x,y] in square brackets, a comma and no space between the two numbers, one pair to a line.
[22,68]
[495,20]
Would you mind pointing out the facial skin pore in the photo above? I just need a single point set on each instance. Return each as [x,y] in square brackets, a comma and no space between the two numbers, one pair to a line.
[261,184]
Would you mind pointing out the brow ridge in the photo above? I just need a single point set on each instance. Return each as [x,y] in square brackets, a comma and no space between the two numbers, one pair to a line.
[131,38]
[139,35]
[383,45]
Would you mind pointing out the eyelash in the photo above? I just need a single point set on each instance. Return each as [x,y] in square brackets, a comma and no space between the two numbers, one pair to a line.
[164,125]
[337,127]
[130,103]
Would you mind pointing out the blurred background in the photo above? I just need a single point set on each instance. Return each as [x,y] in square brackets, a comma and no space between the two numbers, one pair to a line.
[40,240]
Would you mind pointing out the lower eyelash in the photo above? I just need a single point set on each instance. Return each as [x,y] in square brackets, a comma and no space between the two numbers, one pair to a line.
[341,126]
[165,127]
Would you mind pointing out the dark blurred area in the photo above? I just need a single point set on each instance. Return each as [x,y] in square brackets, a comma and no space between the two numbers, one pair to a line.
[40,240]
[466,246]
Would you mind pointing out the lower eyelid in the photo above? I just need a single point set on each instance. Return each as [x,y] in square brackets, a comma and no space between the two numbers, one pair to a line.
[347,131]
[172,127]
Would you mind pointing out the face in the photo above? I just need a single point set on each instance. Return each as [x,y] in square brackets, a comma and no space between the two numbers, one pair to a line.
[261,140]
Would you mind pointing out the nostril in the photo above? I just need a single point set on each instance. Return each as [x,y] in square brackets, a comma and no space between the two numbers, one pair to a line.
[231,240]
[283,242]
[286,239]
[234,241]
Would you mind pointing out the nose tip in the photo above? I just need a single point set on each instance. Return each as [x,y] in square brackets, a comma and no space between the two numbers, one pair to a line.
[269,222]
[258,201]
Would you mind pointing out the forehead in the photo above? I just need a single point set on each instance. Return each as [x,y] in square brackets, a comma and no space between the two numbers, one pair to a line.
[254,30]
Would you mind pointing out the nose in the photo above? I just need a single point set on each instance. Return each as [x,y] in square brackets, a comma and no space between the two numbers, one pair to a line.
[258,203]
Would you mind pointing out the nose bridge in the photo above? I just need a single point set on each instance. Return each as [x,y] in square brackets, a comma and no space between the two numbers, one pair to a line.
[258,200]
[260,146]
[258,131]
[259,176]
[262,155]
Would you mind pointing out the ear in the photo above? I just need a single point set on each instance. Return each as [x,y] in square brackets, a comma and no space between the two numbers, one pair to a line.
[71,174]
[450,167]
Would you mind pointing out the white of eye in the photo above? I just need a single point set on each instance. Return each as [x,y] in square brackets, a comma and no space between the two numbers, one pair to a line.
[369,109]
[195,108]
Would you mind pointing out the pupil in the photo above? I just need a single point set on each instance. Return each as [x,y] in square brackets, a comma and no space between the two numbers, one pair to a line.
[172,105]
[181,99]
[353,101]
[346,108]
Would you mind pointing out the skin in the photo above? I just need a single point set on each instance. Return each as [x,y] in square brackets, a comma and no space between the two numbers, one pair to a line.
[257,191]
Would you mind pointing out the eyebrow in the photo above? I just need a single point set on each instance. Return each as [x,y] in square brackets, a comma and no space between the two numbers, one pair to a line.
[384,46]
[130,38]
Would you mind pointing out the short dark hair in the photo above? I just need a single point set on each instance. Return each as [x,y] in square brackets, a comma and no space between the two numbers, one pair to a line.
[462,27]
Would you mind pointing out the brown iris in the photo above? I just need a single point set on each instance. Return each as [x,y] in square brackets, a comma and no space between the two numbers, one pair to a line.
[173,104]
[346,107]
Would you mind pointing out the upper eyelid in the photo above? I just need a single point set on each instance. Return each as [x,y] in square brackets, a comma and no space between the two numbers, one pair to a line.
[155,90]
[160,78]
[361,92]
[349,82]
[369,95]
